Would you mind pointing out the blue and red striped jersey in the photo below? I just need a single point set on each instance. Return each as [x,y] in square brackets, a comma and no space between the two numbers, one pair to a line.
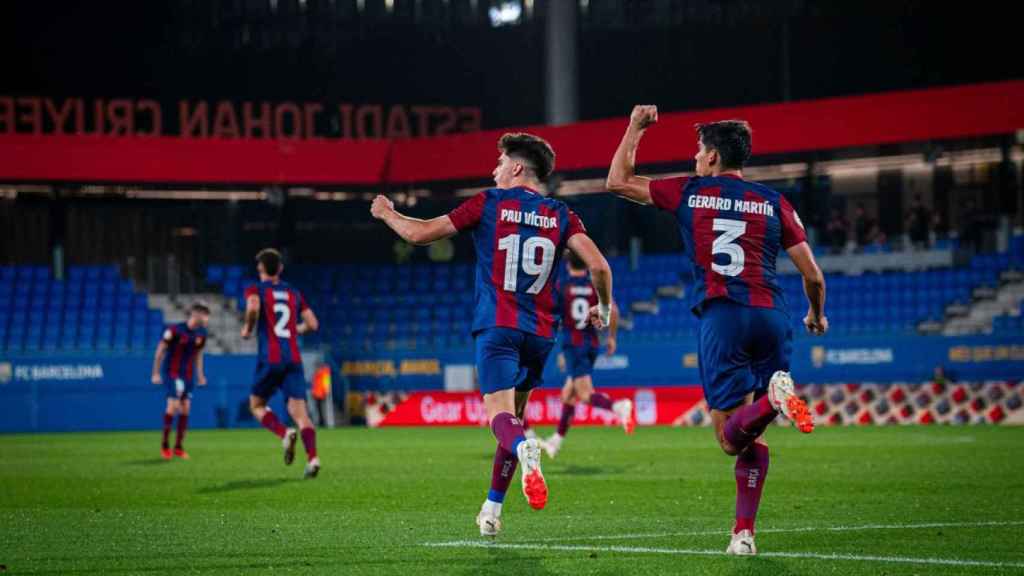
[732,231]
[183,345]
[519,237]
[576,297]
[280,307]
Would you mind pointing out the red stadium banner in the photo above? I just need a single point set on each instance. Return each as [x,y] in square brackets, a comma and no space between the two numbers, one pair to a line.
[911,116]
[654,406]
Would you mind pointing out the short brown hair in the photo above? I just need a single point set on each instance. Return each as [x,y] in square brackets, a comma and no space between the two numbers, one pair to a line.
[532,150]
[271,260]
[731,138]
[201,307]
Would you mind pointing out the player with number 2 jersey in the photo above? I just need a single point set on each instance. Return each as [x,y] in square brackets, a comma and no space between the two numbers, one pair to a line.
[273,309]
[519,236]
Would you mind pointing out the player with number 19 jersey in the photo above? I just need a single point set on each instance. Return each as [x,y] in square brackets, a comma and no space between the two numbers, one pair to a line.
[519,237]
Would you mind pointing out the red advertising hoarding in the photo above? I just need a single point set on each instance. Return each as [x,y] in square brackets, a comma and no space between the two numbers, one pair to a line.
[654,406]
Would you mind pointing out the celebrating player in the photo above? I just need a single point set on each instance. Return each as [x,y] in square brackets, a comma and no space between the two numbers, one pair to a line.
[177,372]
[279,364]
[733,230]
[580,344]
[519,237]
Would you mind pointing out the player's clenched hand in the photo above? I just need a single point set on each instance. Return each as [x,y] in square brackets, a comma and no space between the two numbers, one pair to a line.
[246,333]
[816,325]
[202,380]
[155,379]
[643,116]
[610,347]
[595,318]
[381,207]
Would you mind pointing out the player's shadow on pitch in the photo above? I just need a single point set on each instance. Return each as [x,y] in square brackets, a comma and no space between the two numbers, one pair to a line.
[236,485]
[575,470]
[148,462]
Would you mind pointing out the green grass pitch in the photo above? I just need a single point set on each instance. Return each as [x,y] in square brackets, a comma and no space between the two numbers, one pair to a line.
[895,500]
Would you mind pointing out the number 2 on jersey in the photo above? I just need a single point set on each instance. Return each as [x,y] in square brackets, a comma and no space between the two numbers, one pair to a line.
[510,245]
[731,230]
[284,314]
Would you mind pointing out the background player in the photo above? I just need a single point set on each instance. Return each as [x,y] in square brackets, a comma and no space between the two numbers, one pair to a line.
[519,237]
[580,347]
[279,364]
[177,372]
[733,230]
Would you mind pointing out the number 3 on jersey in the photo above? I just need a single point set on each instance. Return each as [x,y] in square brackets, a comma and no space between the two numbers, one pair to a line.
[731,230]
[542,270]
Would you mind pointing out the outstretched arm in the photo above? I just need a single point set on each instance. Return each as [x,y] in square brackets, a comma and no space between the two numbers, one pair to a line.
[161,349]
[252,313]
[200,370]
[612,344]
[309,322]
[814,287]
[622,179]
[600,276]
[412,230]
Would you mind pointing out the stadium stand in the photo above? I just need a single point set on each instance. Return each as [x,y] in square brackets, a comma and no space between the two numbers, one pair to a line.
[93,308]
[425,307]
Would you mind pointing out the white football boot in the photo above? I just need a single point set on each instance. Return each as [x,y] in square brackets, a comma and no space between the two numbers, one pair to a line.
[742,544]
[488,521]
[783,398]
[552,445]
[623,409]
[288,443]
[535,488]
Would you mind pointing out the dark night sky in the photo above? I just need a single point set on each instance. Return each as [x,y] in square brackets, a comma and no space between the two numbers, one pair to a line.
[681,55]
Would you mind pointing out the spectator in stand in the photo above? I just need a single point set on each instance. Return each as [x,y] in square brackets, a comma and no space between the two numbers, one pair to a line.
[877,240]
[836,231]
[918,224]
[970,228]
[861,227]
[937,227]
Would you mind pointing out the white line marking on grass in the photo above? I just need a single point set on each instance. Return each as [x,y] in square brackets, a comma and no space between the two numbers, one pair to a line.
[852,528]
[698,552]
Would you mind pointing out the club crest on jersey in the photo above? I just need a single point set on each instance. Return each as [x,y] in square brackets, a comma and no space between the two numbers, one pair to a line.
[528,219]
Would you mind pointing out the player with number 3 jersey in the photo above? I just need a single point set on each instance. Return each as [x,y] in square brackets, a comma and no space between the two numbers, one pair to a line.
[273,309]
[732,231]
[519,236]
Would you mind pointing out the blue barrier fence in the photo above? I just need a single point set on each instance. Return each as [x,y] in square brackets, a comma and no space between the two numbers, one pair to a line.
[827,359]
[49,394]
[72,393]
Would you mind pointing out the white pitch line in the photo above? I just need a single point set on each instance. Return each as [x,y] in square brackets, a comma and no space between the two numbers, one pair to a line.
[853,528]
[698,552]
